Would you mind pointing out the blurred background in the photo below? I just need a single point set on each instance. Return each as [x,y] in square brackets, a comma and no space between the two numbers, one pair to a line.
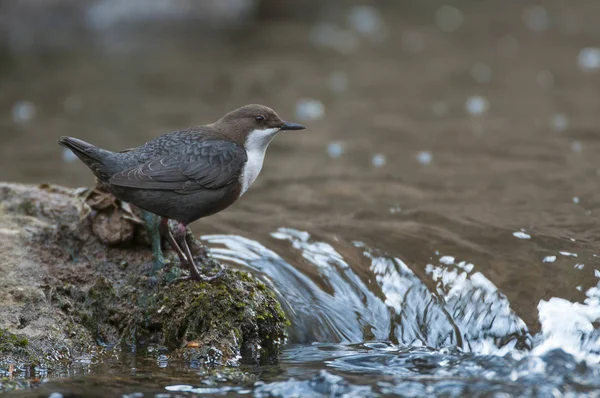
[464,129]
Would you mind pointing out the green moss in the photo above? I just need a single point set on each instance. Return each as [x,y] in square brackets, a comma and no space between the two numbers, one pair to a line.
[236,313]
[27,207]
[10,341]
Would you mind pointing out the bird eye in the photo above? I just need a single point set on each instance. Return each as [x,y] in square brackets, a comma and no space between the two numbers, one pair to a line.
[260,118]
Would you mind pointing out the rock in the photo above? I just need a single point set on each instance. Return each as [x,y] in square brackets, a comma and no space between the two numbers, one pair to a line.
[64,291]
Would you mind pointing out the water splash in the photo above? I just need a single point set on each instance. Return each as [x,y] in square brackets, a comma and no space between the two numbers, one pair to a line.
[466,310]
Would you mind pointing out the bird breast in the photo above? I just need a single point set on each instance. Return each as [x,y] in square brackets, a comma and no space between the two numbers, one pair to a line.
[256,146]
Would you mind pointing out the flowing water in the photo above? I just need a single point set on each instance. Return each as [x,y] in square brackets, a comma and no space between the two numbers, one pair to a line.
[433,232]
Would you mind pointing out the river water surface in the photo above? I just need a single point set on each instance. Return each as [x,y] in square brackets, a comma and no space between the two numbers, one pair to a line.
[435,229]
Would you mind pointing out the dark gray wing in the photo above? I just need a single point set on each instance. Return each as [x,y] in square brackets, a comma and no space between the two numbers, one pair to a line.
[206,164]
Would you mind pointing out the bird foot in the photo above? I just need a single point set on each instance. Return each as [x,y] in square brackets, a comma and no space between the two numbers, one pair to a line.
[199,277]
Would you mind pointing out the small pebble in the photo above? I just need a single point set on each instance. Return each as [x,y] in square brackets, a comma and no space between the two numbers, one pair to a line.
[449,18]
[378,160]
[549,259]
[310,109]
[521,235]
[23,111]
[579,266]
[424,157]
[55,395]
[476,105]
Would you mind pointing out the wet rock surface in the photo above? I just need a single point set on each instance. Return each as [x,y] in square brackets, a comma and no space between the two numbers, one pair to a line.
[67,295]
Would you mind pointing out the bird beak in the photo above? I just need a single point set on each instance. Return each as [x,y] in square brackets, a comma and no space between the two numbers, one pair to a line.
[291,126]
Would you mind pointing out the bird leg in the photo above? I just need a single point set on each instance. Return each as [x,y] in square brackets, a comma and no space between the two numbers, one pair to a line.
[152,223]
[166,232]
[194,272]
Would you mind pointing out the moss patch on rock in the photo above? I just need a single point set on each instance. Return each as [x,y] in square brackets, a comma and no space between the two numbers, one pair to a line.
[210,322]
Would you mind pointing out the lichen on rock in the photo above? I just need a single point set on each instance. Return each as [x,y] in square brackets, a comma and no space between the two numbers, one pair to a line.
[66,293]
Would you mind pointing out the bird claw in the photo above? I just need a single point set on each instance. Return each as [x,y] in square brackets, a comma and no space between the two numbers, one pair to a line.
[199,278]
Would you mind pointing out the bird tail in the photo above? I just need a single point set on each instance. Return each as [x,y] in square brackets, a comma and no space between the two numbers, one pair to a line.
[95,158]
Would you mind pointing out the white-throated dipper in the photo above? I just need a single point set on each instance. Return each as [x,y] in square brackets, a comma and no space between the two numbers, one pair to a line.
[188,174]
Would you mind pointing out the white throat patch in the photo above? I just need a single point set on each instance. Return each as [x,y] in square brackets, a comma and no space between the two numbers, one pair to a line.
[256,145]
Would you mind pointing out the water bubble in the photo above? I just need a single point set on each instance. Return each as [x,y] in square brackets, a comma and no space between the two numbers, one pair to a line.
[413,42]
[575,200]
[536,18]
[335,149]
[508,46]
[394,210]
[549,259]
[162,361]
[179,388]
[439,108]
[310,109]
[23,111]
[477,105]
[378,160]
[560,122]
[424,157]
[68,155]
[589,58]
[545,79]
[448,260]
[338,82]
[568,254]
[482,73]
[367,21]
[576,146]
[521,235]
[449,18]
